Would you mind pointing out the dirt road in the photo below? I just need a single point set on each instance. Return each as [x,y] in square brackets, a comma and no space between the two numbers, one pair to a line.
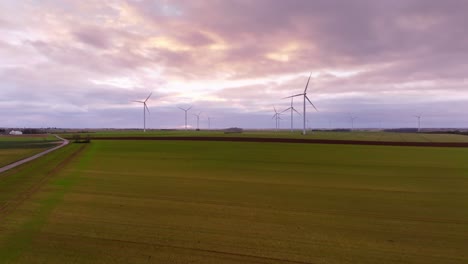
[20,162]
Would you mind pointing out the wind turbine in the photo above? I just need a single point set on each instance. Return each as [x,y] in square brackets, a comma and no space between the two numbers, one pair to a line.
[185,110]
[292,113]
[209,122]
[419,122]
[352,121]
[198,120]
[305,98]
[145,108]
[277,118]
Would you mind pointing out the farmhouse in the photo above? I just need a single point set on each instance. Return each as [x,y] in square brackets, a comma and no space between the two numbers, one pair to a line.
[16,132]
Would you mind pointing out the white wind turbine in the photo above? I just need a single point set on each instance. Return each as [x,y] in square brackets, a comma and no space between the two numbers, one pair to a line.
[292,113]
[185,110]
[209,122]
[277,118]
[352,117]
[419,121]
[145,108]
[198,120]
[305,98]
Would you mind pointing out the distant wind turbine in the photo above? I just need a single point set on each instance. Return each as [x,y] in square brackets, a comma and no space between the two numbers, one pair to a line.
[305,98]
[277,118]
[209,122]
[352,117]
[419,121]
[145,108]
[185,110]
[292,113]
[198,120]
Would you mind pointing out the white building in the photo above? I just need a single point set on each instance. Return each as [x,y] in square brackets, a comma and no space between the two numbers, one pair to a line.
[16,132]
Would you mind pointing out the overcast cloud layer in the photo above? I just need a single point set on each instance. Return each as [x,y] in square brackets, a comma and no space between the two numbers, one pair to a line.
[80,63]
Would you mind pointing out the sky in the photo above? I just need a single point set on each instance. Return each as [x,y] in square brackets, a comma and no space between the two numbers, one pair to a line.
[80,64]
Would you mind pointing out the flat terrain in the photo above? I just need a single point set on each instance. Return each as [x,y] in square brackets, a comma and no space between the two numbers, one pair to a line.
[230,202]
[13,148]
[320,135]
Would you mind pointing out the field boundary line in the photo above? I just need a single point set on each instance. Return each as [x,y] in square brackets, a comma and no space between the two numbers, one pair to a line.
[297,140]
[36,156]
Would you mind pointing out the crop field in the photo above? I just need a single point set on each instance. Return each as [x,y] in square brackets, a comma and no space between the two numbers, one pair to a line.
[14,148]
[231,202]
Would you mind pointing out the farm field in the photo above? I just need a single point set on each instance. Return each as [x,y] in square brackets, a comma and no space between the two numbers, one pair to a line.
[14,148]
[231,202]
[325,135]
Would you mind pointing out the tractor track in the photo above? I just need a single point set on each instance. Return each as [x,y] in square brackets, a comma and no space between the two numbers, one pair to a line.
[251,258]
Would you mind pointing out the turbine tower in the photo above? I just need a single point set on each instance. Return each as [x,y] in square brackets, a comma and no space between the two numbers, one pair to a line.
[198,120]
[292,113]
[145,108]
[185,110]
[419,122]
[305,98]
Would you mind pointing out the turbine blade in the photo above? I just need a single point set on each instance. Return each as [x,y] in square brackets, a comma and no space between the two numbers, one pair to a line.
[147,109]
[311,103]
[292,96]
[307,85]
[189,108]
[138,102]
[296,111]
[285,110]
[181,108]
[148,96]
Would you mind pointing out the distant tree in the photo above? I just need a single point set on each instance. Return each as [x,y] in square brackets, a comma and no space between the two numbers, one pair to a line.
[31,131]
[233,130]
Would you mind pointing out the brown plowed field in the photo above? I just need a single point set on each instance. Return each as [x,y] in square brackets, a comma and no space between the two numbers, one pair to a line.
[294,140]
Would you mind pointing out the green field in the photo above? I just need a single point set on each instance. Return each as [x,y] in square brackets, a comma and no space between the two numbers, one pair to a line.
[358,135]
[14,148]
[228,202]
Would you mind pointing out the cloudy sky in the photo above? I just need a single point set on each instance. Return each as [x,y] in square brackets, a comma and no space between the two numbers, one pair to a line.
[80,63]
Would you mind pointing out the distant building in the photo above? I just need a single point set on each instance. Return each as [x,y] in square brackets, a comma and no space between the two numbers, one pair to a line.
[16,132]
